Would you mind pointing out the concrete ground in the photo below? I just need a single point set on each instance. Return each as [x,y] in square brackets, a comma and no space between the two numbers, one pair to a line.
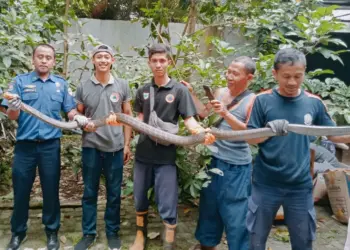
[330,233]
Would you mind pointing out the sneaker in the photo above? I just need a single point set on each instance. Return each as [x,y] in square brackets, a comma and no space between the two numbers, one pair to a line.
[16,241]
[114,242]
[85,242]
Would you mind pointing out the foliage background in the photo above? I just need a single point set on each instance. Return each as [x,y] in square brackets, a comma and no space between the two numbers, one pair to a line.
[198,57]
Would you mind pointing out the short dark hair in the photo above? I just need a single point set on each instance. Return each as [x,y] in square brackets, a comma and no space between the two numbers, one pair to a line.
[47,46]
[248,63]
[158,48]
[289,56]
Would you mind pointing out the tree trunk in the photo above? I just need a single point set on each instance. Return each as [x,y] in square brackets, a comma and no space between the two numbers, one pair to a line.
[65,44]
[191,28]
[192,18]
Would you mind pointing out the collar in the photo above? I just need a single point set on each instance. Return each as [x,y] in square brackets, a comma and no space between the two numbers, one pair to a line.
[276,90]
[34,77]
[95,81]
[169,85]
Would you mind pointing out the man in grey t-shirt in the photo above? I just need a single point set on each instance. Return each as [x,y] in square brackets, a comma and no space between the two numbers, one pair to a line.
[105,149]
[224,203]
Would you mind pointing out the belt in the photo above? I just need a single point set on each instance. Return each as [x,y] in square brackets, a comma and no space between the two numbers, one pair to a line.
[37,140]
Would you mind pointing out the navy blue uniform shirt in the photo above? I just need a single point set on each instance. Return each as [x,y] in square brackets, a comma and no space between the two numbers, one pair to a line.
[49,97]
[284,161]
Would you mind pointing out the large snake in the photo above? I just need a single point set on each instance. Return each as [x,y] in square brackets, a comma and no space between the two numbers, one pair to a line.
[191,139]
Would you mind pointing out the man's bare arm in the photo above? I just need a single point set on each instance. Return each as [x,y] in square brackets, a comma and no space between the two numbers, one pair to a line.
[127,129]
[140,116]
[257,140]
[339,139]
[194,127]
[202,110]
[12,114]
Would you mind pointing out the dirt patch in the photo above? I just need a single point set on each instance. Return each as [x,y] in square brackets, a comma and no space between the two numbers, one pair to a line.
[71,187]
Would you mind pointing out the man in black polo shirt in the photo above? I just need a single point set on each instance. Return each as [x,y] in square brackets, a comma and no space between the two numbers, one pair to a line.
[155,163]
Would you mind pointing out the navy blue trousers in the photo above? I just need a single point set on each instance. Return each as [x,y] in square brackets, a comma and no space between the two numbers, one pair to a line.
[28,156]
[164,179]
[223,206]
[95,163]
[299,215]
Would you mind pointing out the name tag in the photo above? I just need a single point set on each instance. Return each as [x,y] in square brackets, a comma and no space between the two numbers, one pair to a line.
[29,90]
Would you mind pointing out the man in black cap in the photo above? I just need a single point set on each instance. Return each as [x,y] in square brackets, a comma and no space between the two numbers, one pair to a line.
[105,149]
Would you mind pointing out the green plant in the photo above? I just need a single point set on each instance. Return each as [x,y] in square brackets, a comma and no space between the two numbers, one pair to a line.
[71,153]
[304,26]
[7,141]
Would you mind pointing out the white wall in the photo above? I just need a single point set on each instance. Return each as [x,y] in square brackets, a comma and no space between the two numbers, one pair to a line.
[125,35]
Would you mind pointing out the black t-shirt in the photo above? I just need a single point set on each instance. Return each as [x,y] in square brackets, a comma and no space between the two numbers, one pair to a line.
[170,101]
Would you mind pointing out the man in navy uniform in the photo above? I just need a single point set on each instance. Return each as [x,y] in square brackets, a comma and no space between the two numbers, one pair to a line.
[38,143]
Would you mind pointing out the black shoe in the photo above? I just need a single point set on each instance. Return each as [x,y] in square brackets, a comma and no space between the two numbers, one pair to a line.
[52,241]
[85,242]
[114,242]
[16,241]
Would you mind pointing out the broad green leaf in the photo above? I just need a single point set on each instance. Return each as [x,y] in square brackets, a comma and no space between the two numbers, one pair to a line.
[206,184]
[337,42]
[7,61]
[193,191]
[303,19]
[201,64]
[216,171]
[319,72]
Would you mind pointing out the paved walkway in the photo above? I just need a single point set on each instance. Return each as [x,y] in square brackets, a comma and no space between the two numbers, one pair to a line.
[330,233]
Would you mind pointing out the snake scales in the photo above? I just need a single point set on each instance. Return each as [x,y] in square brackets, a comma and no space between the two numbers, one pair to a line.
[191,139]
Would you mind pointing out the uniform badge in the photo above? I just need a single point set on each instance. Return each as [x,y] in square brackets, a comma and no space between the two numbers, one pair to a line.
[169,98]
[307,119]
[114,97]
[145,95]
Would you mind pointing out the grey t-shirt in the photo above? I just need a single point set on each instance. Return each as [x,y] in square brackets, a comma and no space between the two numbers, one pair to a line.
[98,101]
[323,155]
[235,152]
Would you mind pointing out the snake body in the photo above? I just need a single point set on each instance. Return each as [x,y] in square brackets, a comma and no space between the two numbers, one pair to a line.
[191,139]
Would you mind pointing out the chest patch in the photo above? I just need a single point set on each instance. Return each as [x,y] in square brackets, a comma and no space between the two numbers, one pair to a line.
[145,95]
[170,98]
[29,88]
[114,97]
[307,119]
